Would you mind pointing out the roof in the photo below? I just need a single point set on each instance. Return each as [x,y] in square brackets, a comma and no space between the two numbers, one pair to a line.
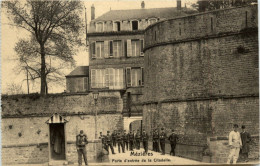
[170,12]
[79,71]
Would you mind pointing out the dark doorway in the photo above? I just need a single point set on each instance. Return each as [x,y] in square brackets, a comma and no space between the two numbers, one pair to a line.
[57,141]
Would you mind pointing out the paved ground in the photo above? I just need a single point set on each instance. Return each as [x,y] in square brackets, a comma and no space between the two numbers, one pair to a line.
[153,158]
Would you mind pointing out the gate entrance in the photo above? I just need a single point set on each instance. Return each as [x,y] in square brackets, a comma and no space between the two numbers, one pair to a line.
[57,141]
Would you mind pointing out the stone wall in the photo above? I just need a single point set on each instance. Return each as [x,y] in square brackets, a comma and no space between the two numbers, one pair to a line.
[201,78]
[25,133]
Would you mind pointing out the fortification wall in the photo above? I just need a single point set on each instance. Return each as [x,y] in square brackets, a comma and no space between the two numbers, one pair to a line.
[25,134]
[201,77]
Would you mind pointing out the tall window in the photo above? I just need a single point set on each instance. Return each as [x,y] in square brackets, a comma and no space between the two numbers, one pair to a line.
[135,48]
[100,49]
[134,77]
[134,25]
[117,48]
[107,78]
[117,26]
[99,27]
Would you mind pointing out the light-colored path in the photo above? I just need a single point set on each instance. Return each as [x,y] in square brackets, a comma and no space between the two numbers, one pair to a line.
[153,159]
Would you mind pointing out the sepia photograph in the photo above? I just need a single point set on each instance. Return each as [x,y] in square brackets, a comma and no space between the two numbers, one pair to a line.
[119,82]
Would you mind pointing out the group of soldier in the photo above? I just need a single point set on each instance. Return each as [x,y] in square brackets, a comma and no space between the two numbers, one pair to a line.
[132,140]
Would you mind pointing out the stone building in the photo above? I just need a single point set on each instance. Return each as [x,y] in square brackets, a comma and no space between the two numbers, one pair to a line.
[201,77]
[77,80]
[116,60]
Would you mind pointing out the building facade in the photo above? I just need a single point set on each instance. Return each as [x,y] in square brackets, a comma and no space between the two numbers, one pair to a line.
[116,60]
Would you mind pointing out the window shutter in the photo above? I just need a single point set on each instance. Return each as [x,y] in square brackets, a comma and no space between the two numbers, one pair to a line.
[142,77]
[142,47]
[93,46]
[85,84]
[106,49]
[128,76]
[125,49]
[107,77]
[110,48]
[129,48]
[121,78]
[111,78]
[115,51]
[93,78]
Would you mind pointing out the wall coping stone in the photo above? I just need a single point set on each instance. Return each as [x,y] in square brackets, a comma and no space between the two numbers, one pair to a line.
[115,33]
[217,97]
[62,114]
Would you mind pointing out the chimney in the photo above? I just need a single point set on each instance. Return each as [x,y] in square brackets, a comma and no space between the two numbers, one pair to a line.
[142,5]
[92,12]
[178,4]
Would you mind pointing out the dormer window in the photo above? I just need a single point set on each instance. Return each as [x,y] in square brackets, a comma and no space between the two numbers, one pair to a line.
[99,27]
[152,21]
[117,26]
[134,25]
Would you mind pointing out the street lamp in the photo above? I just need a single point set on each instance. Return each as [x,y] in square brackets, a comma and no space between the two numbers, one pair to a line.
[95,96]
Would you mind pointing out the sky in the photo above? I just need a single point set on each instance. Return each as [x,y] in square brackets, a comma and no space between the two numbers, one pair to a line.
[10,36]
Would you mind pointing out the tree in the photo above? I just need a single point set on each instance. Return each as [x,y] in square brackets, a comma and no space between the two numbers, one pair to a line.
[55,29]
[207,5]
[14,89]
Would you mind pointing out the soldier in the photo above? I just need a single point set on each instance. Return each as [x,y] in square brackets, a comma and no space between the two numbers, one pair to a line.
[137,139]
[103,140]
[235,144]
[145,138]
[246,139]
[162,141]
[114,134]
[153,134]
[109,142]
[126,140]
[81,142]
[134,143]
[131,140]
[156,140]
[120,142]
[173,138]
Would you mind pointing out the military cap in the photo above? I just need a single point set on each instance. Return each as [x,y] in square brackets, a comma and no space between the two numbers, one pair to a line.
[243,127]
[172,130]
[108,131]
[81,132]
[235,125]
[162,128]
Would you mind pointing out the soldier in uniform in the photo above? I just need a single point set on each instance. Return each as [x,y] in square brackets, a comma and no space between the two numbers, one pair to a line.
[156,140]
[173,138]
[131,140]
[120,141]
[81,142]
[103,140]
[126,140]
[145,138]
[114,134]
[162,141]
[109,142]
[137,139]
[134,143]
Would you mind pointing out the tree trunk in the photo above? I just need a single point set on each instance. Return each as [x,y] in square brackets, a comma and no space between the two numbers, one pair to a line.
[46,86]
[43,75]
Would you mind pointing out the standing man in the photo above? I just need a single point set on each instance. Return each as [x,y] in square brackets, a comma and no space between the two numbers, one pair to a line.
[246,139]
[114,135]
[156,140]
[120,140]
[145,138]
[235,144]
[109,142]
[153,133]
[173,138]
[131,140]
[134,143]
[137,139]
[103,140]
[162,141]
[126,140]
[81,142]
